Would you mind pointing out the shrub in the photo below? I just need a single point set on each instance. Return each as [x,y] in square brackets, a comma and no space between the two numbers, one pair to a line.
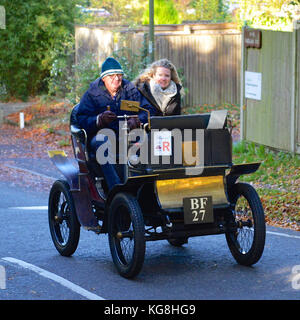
[164,13]
[33,29]
[82,74]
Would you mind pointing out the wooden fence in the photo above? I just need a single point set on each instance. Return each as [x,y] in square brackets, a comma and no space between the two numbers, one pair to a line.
[274,119]
[208,55]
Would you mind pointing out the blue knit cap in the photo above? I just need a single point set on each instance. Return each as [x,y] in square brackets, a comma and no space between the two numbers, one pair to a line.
[110,66]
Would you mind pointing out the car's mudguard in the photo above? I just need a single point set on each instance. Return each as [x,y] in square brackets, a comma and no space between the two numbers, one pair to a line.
[79,188]
[239,169]
[65,166]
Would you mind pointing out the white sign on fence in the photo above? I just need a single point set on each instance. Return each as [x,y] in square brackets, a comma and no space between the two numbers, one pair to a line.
[252,85]
[2,17]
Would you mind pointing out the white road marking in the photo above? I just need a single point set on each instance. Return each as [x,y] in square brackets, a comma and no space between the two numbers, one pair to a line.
[29,208]
[29,171]
[52,276]
[283,234]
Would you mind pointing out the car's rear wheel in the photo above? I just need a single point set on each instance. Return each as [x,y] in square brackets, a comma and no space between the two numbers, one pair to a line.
[63,222]
[247,242]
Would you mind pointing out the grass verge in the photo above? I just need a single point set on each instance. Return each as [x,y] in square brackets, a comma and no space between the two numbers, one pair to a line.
[277,182]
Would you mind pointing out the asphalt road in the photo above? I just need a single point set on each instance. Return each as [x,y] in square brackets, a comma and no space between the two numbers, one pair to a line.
[32,269]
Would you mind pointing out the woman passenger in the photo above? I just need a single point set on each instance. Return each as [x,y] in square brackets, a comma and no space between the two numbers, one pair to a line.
[161,86]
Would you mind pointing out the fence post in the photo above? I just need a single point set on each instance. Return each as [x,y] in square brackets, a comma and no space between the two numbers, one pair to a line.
[294,88]
[1,116]
[151,30]
[296,30]
[242,100]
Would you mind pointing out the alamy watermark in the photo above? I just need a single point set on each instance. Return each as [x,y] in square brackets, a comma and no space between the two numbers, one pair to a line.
[2,17]
[2,278]
[296,277]
[178,147]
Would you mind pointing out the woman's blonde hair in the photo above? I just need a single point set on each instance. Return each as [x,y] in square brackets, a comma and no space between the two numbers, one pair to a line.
[148,73]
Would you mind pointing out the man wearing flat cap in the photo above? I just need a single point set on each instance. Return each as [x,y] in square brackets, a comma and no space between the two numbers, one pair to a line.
[100,106]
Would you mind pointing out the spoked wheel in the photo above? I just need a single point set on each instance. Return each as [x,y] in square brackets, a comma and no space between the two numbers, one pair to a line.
[63,222]
[247,242]
[126,233]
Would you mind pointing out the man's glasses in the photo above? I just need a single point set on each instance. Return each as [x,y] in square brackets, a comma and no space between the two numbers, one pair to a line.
[113,76]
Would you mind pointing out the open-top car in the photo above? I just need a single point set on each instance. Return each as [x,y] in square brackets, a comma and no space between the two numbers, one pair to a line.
[180,183]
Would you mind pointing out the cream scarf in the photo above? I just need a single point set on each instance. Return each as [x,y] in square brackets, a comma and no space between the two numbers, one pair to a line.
[163,96]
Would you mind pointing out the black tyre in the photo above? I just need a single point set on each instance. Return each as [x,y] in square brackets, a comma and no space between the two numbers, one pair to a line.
[63,222]
[247,242]
[126,233]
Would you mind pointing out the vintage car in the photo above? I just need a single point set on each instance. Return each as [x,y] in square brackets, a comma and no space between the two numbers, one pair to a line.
[165,198]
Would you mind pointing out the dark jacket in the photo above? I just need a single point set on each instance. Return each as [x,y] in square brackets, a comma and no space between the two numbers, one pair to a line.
[173,106]
[97,98]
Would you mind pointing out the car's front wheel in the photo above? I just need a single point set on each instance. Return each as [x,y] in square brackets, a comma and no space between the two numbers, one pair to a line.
[126,233]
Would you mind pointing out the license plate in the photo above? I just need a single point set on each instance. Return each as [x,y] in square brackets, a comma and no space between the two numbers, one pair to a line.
[198,210]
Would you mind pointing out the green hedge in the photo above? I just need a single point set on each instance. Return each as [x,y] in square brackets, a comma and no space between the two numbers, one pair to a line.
[34,29]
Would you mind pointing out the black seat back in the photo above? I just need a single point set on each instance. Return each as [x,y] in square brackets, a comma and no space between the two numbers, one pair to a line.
[73,116]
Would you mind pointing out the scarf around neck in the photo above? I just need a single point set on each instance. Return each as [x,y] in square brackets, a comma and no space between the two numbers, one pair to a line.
[162,96]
